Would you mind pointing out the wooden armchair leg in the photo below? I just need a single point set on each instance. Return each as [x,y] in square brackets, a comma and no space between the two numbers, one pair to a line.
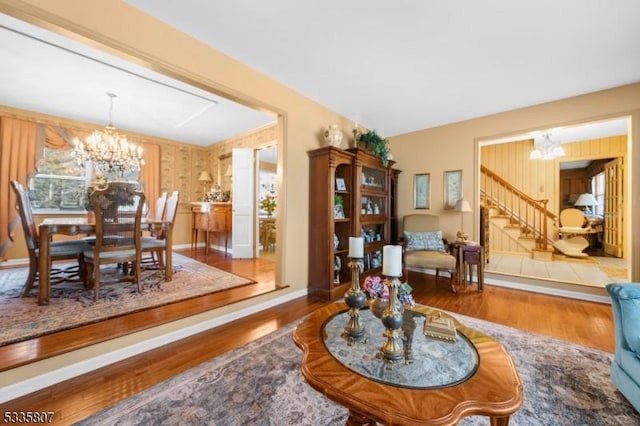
[452,281]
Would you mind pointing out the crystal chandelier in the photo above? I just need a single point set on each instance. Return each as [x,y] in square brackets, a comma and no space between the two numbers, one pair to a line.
[109,151]
[546,149]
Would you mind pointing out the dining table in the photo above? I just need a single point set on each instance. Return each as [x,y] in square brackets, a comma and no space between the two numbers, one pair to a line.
[85,226]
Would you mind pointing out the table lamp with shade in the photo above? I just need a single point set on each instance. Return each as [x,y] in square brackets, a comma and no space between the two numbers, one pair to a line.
[586,201]
[204,178]
[463,207]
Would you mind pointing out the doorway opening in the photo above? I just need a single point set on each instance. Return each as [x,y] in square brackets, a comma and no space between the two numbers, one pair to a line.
[590,150]
[267,201]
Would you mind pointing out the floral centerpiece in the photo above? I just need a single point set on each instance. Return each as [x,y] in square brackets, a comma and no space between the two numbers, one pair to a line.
[98,181]
[377,289]
[268,203]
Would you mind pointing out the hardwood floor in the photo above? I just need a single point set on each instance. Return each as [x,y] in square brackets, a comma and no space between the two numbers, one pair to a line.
[586,323]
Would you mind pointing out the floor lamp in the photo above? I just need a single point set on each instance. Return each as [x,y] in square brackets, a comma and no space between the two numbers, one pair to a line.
[463,207]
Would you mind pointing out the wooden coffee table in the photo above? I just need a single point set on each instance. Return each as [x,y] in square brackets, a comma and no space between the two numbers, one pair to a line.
[488,385]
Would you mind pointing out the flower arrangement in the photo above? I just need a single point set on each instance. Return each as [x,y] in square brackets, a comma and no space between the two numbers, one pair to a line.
[376,287]
[268,202]
[98,181]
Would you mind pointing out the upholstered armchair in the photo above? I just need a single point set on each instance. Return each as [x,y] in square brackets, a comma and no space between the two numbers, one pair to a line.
[625,367]
[424,248]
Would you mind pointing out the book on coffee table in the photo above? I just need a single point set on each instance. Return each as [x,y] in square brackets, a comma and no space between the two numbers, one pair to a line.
[437,327]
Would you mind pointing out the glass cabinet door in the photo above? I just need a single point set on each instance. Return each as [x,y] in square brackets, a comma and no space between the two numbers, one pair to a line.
[374,178]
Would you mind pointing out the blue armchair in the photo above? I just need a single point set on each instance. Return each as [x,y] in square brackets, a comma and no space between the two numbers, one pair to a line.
[625,367]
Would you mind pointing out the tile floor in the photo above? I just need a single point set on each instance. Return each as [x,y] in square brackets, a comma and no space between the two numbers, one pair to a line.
[598,271]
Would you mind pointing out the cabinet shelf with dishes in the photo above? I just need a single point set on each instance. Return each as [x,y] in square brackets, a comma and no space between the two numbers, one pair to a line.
[371,221]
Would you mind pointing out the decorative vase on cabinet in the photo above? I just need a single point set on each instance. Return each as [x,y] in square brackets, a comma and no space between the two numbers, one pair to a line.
[333,136]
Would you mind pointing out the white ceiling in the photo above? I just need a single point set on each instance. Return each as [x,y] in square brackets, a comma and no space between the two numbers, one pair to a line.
[400,66]
[395,67]
[44,72]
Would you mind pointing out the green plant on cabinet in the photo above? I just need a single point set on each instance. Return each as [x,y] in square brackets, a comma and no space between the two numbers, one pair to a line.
[376,144]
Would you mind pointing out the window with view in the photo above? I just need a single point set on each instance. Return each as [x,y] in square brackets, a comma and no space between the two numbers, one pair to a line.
[60,183]
[597,188]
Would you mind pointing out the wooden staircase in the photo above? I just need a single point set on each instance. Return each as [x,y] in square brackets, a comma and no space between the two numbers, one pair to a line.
[518,223]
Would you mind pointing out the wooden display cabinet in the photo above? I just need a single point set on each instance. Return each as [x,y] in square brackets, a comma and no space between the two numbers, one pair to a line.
[358,180]
[330,181]
[371,220]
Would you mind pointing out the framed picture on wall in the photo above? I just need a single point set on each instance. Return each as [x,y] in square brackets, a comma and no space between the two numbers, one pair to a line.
[452,188]
[421,190]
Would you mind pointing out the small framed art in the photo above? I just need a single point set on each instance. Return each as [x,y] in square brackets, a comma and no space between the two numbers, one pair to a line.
[338,211]
[421,190]
[452,188]
[340,184]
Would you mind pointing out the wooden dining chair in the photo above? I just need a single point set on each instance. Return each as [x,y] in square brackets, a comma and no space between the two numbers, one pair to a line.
[158,214]
[118,209]
[157,243]
[59,250]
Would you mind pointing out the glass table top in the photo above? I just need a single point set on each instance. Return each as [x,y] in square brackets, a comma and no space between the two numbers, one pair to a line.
[436,363]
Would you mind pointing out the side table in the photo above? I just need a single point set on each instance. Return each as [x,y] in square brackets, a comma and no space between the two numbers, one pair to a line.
[468,257]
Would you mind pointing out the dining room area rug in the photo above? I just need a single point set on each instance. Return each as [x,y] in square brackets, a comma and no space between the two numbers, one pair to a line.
[71,305]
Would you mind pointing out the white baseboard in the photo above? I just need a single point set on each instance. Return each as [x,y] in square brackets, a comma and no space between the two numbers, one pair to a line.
[547,290]
[35,383]
[524,284]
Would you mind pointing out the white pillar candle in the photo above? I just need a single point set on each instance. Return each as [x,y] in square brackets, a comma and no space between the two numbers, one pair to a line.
[356,247]
[392,261]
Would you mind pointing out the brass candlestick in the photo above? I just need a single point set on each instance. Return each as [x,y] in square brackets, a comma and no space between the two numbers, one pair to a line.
[355,300]
[392,349]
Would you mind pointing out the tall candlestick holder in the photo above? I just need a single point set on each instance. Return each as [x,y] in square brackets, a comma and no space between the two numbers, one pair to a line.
[392,349]
[355,300]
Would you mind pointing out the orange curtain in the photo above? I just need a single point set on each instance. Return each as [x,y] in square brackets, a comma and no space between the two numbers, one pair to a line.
[59,138]
[17,161]
[149,175]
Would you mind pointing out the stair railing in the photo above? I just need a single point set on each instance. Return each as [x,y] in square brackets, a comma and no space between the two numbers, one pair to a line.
[531,215]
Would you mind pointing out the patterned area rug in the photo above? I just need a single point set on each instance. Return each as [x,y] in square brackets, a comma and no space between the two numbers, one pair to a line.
[260,384]
[71,305]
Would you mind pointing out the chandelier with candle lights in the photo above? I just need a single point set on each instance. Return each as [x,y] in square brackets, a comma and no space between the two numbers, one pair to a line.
[108,151]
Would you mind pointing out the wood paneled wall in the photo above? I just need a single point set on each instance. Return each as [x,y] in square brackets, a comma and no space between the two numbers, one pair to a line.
[540,178]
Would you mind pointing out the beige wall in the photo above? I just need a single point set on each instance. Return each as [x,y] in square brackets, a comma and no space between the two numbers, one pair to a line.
[456,146]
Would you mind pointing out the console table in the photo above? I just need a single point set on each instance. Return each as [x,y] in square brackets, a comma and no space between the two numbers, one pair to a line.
[450,381]
[211,218]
